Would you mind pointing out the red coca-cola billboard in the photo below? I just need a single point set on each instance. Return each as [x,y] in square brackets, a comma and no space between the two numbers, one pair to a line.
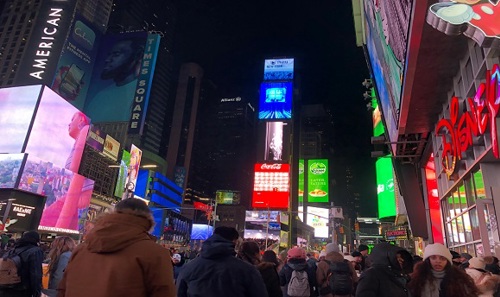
[271,186]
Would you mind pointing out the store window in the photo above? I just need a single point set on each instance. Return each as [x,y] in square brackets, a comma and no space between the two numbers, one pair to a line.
[479,185]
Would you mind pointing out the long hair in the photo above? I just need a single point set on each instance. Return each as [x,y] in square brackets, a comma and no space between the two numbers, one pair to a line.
[249,251]
[456,282]
[60,245]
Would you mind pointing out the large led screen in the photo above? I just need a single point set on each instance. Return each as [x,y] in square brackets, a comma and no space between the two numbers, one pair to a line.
[385,188]
[68,194]
[433,200]
[387,27]
[278,69]
[59,132]
[201,231]
[17,107]
[262,222]
[24,212]
[318,219]
[274,141]
[271,185]
[275,101]
[317,180]
[10,164]
[378,124]
[227,197]
[121,181]
[301,180]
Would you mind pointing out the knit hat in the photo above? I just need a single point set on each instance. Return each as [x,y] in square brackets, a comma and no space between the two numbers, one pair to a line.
[296,252]
[437,249]
[455,255]
[177,257]
[322,254]
[331,247]
[31,237]
[477,263]
[362,247]
[356,254]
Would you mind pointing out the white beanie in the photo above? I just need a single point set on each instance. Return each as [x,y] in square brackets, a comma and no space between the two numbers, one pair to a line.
[476,262]
[322,254]
[331,247]
[349,258]
[437,249]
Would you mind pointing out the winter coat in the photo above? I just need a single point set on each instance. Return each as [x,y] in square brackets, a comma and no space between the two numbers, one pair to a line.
[217,272]
[384,278]
[119,258]
[271,278]
[324,267]
[486,282]
[300,265]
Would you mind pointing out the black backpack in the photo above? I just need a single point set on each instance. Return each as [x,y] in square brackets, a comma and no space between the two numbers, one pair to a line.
[340,278]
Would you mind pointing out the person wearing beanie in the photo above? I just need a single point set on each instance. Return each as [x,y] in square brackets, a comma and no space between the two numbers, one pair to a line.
[120,258]
[296,260]
[388,274]
[268,269]
[365,261]
[31,266]
[178,264]
[484,280]
[437,276]
[332,256]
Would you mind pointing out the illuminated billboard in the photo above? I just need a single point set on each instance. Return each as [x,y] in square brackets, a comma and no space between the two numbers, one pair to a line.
[227,197]
[274,141]
[111,148]
[96,138]
[76,63]
[10,164]
[317,180]
[301,180]
[378,124]
[260,223]
[275,101]
[120,83]
[24,212]
[43,48]
[318,219]
[278,69]
[122,174]
[385,188]
[17,107]
[433,200]
[387,26]
[271,185]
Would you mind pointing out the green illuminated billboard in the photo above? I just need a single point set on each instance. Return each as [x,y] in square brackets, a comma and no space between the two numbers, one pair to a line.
[317,180]
[385,187]
[301,180]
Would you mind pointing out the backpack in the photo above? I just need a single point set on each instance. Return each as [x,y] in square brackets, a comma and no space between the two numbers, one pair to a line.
[299,284]
[10,269]
[340,278]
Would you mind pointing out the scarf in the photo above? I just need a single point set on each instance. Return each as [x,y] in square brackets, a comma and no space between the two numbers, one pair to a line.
[431,289]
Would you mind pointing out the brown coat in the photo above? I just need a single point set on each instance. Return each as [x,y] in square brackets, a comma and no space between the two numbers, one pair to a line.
[119,258]
[322,271]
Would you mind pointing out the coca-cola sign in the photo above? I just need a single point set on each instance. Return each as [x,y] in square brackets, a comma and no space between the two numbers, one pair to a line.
[275,166]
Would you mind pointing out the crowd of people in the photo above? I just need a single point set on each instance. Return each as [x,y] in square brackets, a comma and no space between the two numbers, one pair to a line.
[120,258]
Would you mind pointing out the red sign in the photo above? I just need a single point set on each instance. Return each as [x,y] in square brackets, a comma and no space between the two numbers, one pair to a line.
[271,186]
[457,131]
[433,201]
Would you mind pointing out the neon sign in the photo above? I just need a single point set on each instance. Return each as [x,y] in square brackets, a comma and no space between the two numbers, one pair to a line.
[457,131]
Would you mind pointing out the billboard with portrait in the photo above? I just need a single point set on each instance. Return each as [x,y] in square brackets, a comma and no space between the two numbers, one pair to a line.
[68,194]
[275,101]
[274,141]
[74,70]
[67,132]
[317,218]
[387,26]
[24,210]
[317,180]
[385,188]
[115,81]
[271,185]
[10,165]
[17,108]
[278,69]
[122,174]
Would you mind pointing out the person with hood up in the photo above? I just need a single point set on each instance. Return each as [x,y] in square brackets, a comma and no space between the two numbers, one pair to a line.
[268,269]
[485,281]
[332,255]
[296,260]
[217,272]
[120,258]
[436,276]
[388,274]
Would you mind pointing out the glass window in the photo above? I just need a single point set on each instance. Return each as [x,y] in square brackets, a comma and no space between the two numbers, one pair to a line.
[445,207]
[455,231]
[460,230]
[479,183]
[469,191]
[467,227]
[463,199]
[449,233]
[474,221]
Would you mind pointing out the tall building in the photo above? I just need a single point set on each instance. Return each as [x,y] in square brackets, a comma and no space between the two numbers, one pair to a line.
[316,133]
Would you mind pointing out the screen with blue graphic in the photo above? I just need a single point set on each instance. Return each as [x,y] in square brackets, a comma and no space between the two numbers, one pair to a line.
[275,101]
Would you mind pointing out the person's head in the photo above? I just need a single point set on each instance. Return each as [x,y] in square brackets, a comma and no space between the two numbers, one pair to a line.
[59,246]
[296,253]
[456,259]
[123,61]
[227,233]
[331,247]
[30,237]
[322,255]
[136,207]
[477,263]
[78,121]
[270,256]
[465,257]
[439,256]
[249,251]
[357,257]
[176,258]
[363,249]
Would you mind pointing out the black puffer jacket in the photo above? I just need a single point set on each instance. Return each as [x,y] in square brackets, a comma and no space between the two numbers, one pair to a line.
[271,278]
[300,265]
[217,272]
[385,277]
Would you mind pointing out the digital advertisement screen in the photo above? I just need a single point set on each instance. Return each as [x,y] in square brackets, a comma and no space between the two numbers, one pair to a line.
[159,218]
[24,213]
[68,194]
[262,222]
[271,185]
[275,101]
[385,188]
[122,175]
[433,200]
[17,107]
[301,180]
[201,231]
[386,39]
[76,63]
[317,180]
[10,164]
[116,78]
[378,124]
[67,132]
[227,197]
[278,69]
[274,141]
[133,167]
[111,148]
[318,219]
[96,138]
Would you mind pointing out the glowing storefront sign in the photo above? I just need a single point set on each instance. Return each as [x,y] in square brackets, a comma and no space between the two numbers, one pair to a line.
[457,131]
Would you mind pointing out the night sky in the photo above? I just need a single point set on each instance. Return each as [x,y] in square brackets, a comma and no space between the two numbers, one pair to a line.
[231,39]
